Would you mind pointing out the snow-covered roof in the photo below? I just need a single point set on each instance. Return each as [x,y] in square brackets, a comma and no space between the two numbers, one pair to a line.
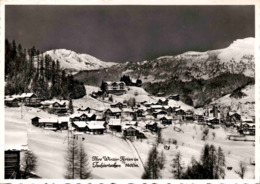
[159,111]
[179,109]
[115,122]
[16,96]
[199,111]
[10,99]
[127,126]
[80,114]
[232,113]
[127,110]
[211,118]
[49,102]
[150,122]
[246,119]
[166,106]
[131,123]
[156,106]
[46,120]
[175,94]
[117,82]
[249,124]
[114,110]
[167,117]
[26,95]
[163,99]
[149,117]
[95,124]
[142,108]
[80,124]
[63,119]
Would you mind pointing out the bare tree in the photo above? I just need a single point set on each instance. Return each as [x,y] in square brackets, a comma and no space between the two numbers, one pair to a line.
[29,163]
[83,162]
[242,169]
[177,166]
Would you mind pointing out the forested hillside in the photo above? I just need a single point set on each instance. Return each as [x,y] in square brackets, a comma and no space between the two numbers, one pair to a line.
[27,71]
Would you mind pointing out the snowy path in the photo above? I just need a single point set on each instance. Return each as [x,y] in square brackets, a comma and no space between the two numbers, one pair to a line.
[135,152]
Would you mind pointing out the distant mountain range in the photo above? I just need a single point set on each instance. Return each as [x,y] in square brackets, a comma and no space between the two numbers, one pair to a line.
[74,62]
[199,77]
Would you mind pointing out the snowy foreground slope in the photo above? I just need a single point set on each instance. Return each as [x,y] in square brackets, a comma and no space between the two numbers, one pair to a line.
[50,147]
[73,61]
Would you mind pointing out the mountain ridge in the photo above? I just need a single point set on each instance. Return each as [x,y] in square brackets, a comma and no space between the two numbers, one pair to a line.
[74,62]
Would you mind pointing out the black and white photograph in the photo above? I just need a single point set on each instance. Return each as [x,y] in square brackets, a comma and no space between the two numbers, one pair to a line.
[130,92]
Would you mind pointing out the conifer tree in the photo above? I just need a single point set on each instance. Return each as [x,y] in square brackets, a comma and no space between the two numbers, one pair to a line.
[152,170]
[83,172]
[177,166]
[71,158]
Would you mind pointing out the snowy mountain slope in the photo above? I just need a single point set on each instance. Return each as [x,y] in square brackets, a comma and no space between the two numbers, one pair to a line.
[73,61]
[244,105]
[200,76]
[238,58]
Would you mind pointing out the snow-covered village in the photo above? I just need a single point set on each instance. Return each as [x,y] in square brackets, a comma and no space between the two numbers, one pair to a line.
[182,116]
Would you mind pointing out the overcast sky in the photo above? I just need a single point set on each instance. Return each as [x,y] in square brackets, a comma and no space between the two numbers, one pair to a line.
[128,33]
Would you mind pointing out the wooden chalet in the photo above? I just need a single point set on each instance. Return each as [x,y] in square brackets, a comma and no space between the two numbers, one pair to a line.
[49,124]
[159,114]
[168,108]
[118,105]
[116,88]
[131,123]
[189,115]
[11,102]
[175,97]
[127,112]
[139,113]
[12,164]
[63,123]
[180,112]
[83,117]
[131,132]
[30,99]
[233,117]
[213,121]
[60,107]
[79,126]
[15,144]
[162,101]
[156,108]
[99,94]
[95,127]
[113,112]
[248,126]
[87,109]
[115,125]
[152,126]
[35,121]
[166,120]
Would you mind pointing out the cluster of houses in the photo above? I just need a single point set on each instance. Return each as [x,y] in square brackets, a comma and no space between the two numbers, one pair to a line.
[28,99]
[118,115]
[59,107]
[244,124]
